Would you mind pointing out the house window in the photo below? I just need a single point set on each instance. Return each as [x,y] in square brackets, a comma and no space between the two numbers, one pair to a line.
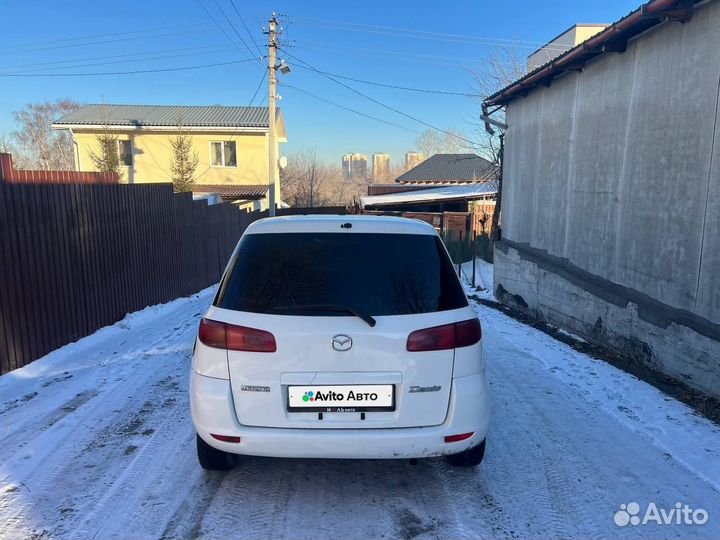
[222,154]
[125,153]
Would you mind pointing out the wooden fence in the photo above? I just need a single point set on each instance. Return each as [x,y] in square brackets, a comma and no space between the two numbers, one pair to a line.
[76,258]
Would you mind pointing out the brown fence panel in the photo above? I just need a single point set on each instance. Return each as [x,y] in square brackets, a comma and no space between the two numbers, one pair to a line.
[77,257]
[8,173]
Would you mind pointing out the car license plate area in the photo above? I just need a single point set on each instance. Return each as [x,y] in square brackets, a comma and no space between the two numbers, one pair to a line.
[341,398]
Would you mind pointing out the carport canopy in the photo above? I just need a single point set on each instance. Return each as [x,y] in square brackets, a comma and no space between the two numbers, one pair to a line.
[462,192]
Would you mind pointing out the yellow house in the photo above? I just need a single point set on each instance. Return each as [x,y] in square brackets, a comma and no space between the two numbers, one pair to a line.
[231,144]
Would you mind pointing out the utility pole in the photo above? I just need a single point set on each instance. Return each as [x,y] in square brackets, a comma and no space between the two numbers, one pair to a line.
[272,97]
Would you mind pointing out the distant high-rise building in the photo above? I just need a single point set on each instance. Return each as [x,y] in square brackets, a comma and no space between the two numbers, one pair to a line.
[354,166]
[381,167]
[412,159]
[346,166]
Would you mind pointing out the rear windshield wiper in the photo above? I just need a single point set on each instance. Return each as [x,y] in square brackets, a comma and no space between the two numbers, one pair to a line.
[327,307]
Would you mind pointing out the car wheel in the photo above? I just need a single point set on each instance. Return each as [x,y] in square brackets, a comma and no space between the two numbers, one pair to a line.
[212,459]
[472,457]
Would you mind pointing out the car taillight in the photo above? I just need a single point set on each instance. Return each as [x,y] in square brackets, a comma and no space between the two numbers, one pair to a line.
[221,335]
[456,438]
[448,336]
[467,333]
[229,438]
[212,334]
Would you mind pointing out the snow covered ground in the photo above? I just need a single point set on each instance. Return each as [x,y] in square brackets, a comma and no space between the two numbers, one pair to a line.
[96,442]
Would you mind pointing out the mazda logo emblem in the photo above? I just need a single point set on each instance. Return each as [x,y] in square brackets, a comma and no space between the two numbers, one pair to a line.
[341,342]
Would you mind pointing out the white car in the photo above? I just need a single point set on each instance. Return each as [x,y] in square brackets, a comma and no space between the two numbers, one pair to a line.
[339,337]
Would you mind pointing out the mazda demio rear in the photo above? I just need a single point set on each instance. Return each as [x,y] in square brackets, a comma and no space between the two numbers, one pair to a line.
[339,337]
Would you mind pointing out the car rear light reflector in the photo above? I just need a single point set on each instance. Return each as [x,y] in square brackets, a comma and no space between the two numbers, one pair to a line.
[212,334]
[456,438]
[226,438]
[448,336]
[221,335]
[467,333]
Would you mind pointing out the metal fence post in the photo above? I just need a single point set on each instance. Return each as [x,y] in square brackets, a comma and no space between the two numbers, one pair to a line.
[474,246]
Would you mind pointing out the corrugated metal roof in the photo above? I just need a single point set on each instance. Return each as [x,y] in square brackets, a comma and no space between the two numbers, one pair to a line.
[230,191]
[465,191]
[168,116]
[450,168]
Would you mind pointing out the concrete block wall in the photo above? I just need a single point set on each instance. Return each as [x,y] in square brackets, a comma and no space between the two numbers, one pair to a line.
[672,341]
[616,170]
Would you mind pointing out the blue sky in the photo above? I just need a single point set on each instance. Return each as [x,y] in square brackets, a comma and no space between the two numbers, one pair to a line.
[330,36]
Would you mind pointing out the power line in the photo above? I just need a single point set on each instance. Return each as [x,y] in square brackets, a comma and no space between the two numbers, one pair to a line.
[236,131]
[161,70]
[246,27]
[262,80]
[151,58]
[481,41]
[90,59]
[388,107]
[233,28]
[350,109]
[199,3]
[386,53]
[94,36]
[426,34]
[396,87]
[101,42]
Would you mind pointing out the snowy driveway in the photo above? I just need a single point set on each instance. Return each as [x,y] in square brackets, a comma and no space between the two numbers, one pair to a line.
[96,442]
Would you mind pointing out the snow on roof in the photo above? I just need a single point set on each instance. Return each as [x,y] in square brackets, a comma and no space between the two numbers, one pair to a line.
[464,191]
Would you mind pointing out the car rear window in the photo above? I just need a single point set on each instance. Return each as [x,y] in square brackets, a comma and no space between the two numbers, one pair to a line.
[376,274]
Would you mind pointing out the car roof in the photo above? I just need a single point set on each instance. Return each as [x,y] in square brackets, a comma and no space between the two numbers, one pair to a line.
[340,224]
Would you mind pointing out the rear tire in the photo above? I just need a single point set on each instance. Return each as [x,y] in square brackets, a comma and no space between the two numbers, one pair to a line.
[472,457]
[212,459]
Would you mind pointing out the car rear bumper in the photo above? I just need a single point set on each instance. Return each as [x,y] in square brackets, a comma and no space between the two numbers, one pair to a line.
[213,412]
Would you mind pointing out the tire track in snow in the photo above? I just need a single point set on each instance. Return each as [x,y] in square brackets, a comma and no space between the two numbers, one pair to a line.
[76,464]
[186,520]
[91,455]
[586,462]
[153,438]
[558,463]
[329,499]
[17,436]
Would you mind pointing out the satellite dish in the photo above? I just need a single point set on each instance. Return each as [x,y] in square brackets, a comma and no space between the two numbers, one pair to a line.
[282,162]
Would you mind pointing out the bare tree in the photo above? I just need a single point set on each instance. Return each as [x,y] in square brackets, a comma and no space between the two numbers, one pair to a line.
[38,145]
[502,66]
[389,175]
[433,142]
[304,180]
[396,169]
[345,192]
[183,161]
[5,145]
[307,181]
